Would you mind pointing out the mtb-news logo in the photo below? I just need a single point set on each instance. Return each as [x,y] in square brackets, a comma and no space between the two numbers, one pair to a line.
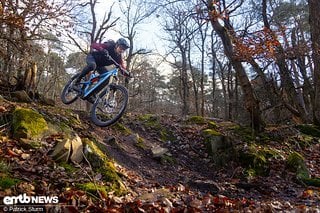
[15,203]
[24,199]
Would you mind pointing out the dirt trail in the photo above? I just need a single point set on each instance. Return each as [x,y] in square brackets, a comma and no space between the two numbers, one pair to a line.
[189,167]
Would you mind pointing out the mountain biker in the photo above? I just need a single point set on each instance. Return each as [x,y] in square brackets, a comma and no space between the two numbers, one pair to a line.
[98,58]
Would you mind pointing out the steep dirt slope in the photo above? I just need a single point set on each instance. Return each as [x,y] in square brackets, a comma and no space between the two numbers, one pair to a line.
[188,166]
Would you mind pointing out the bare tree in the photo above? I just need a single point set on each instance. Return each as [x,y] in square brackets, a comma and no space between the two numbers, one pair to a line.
[286,79]
[89,27]
[22,24]
[178,26]
[220,11]
[203,28]
[135,13]
[314,7]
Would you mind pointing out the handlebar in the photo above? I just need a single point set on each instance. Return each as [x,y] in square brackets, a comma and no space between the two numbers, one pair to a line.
[123,71]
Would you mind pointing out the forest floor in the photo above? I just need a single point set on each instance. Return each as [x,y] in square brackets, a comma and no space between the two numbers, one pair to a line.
[184,179]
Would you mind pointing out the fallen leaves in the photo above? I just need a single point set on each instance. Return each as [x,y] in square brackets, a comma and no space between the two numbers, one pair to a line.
[192,184]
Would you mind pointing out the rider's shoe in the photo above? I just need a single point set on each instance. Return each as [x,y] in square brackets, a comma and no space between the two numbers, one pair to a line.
[91,99]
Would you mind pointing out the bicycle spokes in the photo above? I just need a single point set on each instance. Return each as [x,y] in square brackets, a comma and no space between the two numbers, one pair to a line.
[110,107]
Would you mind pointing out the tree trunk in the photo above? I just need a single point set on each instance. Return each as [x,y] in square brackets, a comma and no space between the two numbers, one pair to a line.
[185,87]
[251,102]
[314,8]
[286,79]
[214,55]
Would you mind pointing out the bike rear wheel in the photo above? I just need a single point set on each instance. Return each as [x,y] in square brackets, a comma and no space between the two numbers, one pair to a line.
[109,106]
[69,93]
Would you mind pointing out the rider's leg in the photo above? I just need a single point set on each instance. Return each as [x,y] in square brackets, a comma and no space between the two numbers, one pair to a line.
[91,65]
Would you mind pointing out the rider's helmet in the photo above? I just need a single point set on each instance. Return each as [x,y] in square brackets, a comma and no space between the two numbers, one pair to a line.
[122,43]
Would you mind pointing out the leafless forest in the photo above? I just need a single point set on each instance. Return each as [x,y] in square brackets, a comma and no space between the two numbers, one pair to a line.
[254,62]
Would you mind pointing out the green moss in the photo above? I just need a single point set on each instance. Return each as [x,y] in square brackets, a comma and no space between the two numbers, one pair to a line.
[31,144]
[28,123]
[103,165]
[94,189]
[120,127]
[210,132]
[310,130]
[196,120]
[140,142]
[255,162]
[200,121]
[166,135]
[69,168]
[152,121]
[7,182]
[212,125]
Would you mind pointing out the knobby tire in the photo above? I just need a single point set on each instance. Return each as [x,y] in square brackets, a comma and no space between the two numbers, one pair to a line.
[97,118]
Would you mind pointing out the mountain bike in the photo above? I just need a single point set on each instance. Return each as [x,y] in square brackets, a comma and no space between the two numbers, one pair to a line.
[109,99]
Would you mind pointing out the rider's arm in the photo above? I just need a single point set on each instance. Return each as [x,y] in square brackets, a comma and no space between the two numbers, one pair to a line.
[124,70]
[121,63]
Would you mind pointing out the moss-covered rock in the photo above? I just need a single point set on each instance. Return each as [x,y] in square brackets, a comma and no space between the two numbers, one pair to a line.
[207,133]
[28,123]
[219,147]
[196,120]
[199,120]
[103,165]
[94,188]
[212,125]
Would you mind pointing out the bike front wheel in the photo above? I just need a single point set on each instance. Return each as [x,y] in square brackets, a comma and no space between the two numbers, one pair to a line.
[109,106]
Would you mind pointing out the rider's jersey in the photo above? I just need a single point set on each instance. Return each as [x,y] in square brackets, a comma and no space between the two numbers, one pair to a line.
[97,50]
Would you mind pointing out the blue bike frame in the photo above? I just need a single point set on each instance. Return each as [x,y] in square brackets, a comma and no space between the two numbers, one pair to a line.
[87,91]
